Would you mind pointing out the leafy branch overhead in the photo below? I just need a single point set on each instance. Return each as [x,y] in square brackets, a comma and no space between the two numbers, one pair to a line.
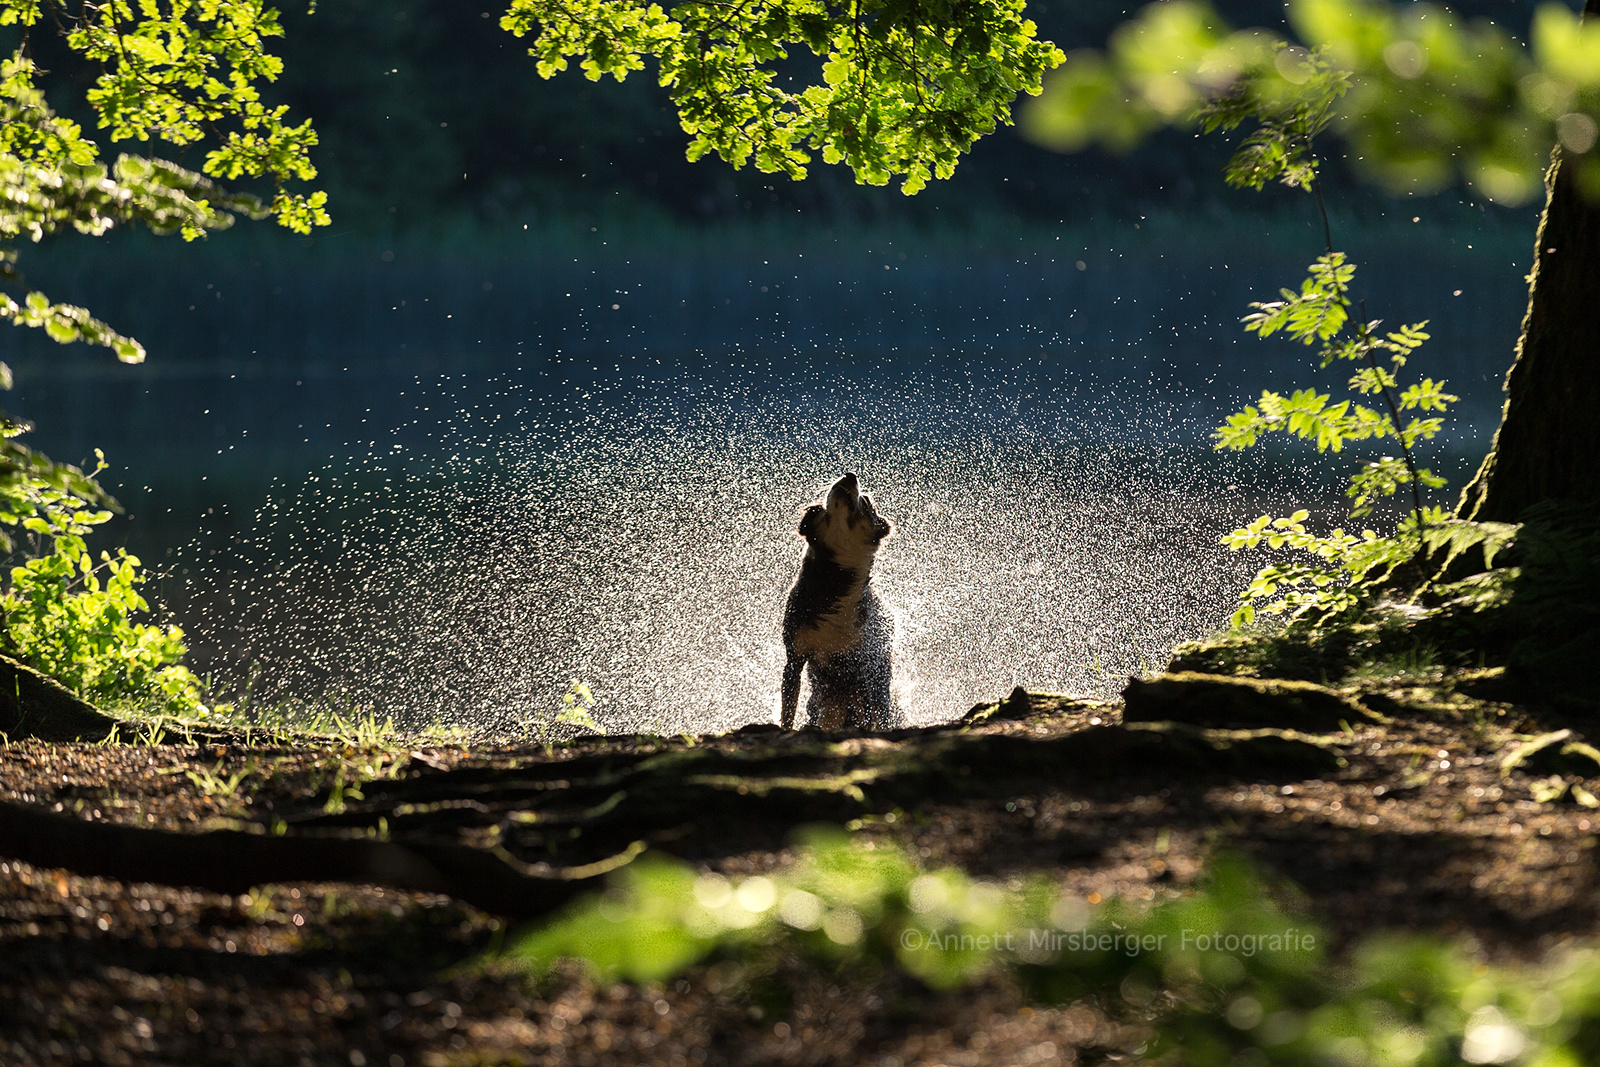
[888,87]
[183,73]
[1420,95]
[191,74]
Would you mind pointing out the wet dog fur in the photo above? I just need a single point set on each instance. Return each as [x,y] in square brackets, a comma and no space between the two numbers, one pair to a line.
[834,626]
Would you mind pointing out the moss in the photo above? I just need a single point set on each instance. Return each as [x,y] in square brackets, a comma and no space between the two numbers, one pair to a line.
[1241,703]
[1021,704]
[33,705]
[1536,615]
[1469,624]
[1325,654]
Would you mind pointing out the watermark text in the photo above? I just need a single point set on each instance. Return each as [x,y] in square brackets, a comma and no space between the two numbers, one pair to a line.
[1044,940]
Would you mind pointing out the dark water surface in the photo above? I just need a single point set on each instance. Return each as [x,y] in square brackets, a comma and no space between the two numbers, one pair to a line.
[533,471]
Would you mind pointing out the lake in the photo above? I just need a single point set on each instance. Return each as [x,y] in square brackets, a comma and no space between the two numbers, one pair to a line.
[445,482]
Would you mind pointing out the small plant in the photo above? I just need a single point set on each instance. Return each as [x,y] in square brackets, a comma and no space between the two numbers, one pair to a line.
[332,717]
[1344,566]
[151,733]
[353,770]
[342,792]
[72,617]
[577,709]
[1344,570]
[360,727]
[214,783]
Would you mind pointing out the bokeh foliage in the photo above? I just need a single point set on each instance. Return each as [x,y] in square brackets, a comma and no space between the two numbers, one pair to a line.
[1229,972]
[1421,96]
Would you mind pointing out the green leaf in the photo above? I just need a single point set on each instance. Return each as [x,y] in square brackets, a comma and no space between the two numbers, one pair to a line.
[61,331]
[1458,535]
[904,93]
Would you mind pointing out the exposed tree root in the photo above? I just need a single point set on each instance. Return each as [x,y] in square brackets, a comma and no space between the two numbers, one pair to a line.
[232,861]
[493,836]
[1240,703]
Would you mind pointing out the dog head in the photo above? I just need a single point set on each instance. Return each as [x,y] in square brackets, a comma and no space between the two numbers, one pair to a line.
[845,525]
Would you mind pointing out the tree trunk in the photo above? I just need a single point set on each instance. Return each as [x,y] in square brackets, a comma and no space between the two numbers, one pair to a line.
[34,705]
[1548,444]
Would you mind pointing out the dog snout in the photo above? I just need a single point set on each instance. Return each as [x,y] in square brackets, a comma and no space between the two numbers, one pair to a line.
[845,491]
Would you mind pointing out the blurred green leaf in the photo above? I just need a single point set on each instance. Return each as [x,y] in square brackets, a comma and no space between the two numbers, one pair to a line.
[1421,96]
[1230,971]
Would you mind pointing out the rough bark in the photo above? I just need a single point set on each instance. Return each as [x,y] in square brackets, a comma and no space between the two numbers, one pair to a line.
[35,706]
[1548,443]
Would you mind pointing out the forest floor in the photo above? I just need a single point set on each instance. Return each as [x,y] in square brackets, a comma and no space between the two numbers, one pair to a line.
[1410,823]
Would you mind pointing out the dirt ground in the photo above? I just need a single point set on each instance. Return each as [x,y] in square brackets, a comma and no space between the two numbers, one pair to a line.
[1416,828]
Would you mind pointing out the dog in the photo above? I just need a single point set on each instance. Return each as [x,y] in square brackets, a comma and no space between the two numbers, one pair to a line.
[834,624]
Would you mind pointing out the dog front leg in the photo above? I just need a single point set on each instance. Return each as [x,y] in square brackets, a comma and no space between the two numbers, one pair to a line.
[791,689]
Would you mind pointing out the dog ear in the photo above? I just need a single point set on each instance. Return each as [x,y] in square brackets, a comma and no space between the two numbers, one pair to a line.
[808,522]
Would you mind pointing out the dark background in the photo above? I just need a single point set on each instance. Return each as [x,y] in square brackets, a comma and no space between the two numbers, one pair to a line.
[525,283]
